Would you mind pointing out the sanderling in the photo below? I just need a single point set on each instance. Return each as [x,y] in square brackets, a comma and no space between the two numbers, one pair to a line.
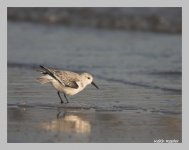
[67,82]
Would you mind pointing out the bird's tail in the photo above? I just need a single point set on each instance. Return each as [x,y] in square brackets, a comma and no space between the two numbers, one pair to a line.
[44,79]
[44,70]
[48,75]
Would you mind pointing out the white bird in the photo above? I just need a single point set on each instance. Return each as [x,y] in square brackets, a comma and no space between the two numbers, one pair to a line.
[67,82]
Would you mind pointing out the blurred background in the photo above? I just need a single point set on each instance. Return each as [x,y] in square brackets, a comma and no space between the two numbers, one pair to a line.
[155,19]
[135,55]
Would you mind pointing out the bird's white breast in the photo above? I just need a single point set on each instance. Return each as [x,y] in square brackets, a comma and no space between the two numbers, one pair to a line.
[68,90]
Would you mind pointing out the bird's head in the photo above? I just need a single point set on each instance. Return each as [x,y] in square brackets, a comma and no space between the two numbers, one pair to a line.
[88,79]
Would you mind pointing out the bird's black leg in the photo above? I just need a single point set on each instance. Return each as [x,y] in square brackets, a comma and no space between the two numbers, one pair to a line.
[60,97]
[66,98]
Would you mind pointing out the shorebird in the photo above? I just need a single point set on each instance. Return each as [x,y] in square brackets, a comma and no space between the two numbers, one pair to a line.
[67,82]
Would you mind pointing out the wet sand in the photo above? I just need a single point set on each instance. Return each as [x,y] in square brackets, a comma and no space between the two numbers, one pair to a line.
[131,115]
[40,124]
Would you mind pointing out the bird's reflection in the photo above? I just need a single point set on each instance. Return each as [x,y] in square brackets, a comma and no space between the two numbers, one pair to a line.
[67,123]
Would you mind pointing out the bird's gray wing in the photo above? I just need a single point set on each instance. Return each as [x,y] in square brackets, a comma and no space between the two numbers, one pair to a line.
[68,78]
[65,78]
[72,84]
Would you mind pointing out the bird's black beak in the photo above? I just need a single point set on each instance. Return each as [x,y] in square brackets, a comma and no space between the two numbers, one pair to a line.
[94,85]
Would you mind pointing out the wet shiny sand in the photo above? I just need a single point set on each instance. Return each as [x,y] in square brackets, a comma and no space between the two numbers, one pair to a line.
[132,114]
[61,125]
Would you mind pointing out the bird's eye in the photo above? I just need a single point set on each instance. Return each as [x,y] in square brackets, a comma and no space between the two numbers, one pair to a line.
[89,78]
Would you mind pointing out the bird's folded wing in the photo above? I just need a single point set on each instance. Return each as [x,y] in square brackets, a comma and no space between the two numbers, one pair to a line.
[65,78]
[72,84]
[68,78]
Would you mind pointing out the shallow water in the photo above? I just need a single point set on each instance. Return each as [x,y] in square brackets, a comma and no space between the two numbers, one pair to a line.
[139,75]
